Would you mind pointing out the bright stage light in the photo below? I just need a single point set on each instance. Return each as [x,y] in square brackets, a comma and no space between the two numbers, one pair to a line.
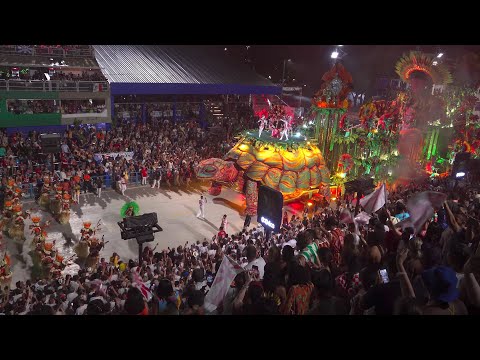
[460,174]
[334,55]
[439,55]
[435,63]
[342,175]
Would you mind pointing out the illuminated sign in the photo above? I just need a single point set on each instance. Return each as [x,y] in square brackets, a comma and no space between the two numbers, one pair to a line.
[267,222]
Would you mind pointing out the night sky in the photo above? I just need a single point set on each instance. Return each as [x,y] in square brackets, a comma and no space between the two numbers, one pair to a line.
[310,62]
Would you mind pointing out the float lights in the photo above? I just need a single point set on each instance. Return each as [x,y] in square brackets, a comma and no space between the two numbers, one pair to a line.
[459,174]
[439,55]
[298,134]
[342,175]
[310,203]
[334,198]
[334,54]
[435,63]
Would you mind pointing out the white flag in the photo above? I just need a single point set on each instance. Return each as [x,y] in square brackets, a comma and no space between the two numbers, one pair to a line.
[422,206]
[374,201]
[346,217]
[362,219]
[223,279]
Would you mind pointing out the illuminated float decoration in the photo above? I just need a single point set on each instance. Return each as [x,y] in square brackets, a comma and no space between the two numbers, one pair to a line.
[295,168]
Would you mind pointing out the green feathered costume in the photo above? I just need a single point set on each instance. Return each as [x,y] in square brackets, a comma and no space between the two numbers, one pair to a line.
[130,209]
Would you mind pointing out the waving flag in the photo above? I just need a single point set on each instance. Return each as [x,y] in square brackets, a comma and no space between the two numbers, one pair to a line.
[346,217]
[422,206]
[137,282]
[225,275]
[374,201]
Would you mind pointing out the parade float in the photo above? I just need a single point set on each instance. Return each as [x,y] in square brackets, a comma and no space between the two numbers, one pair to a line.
[397,139]
[278,157]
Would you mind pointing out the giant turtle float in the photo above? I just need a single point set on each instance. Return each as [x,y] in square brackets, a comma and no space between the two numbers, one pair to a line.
[296,169]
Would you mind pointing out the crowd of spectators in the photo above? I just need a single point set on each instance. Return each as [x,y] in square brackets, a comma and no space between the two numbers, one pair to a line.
[167,152]
[315,266]
[82,106]
[39,74]
[55,106]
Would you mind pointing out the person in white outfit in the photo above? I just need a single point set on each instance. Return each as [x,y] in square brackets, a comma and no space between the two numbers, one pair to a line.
[262,123]
[224,223]
[123,185]
[201,203]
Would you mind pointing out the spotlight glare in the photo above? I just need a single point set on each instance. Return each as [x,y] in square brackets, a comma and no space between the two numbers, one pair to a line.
[439,55]
[334,55]
[459,174]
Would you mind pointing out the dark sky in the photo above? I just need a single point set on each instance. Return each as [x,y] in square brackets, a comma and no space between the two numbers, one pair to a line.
[309,62]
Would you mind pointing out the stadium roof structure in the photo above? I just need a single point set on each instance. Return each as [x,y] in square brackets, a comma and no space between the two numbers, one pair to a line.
[172,69]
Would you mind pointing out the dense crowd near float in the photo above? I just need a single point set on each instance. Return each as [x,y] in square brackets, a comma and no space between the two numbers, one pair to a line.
[322,262]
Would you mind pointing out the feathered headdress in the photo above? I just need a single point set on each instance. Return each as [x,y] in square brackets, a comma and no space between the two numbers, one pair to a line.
[418,61]
[126,206]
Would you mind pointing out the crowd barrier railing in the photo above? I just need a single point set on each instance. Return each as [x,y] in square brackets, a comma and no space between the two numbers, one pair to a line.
[30,191]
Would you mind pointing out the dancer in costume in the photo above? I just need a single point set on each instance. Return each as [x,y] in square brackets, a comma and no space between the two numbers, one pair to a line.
[64,216]
[262,123]
[56,203]
[38,231]
[17,227]
[44,200]
[129,209]
[82,247]
[5,272]
[95,246]
[7,216]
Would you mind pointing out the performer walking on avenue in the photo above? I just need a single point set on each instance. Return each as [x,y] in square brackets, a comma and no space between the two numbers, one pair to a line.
[224,223]
[201,202]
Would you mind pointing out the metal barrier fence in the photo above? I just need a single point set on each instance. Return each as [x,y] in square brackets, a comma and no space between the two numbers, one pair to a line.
[54,85]
[31,190]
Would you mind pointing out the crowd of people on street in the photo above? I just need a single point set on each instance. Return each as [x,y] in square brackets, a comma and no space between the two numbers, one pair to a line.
[318,264]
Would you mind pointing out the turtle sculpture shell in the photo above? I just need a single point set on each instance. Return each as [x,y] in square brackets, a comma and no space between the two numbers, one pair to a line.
[292,172]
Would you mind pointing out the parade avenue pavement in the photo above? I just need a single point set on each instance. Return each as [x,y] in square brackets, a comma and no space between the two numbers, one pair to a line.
[176,209]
